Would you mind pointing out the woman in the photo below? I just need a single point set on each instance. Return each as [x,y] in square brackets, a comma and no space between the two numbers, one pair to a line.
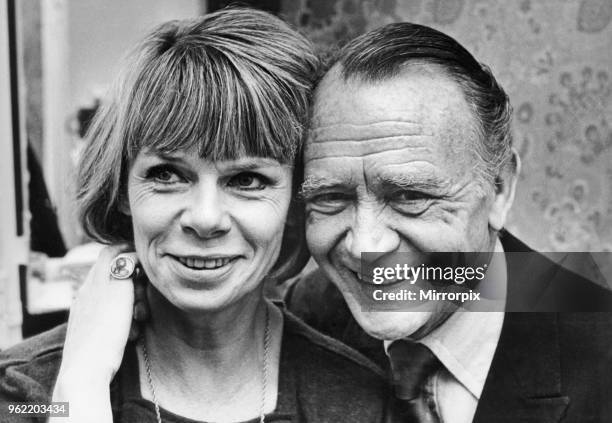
[190,164]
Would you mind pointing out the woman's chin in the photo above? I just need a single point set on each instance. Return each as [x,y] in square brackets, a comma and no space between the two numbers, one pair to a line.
[204,297]
[200,302]
[203,290]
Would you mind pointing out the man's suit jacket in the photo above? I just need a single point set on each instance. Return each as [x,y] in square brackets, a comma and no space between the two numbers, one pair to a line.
[548,366]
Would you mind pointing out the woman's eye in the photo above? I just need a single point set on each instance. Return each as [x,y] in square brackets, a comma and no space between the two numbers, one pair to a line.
[248,181]
[164,175]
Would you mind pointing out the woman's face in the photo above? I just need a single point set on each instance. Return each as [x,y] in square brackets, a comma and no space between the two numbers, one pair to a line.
[207,232]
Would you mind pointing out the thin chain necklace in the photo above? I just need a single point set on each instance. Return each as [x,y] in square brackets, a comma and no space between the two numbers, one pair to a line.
[264,371]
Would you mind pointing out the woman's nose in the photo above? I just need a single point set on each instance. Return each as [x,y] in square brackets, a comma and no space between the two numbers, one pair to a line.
[206,214]
[370,233]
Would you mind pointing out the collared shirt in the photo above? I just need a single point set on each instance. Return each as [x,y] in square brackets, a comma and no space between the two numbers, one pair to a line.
[465,345]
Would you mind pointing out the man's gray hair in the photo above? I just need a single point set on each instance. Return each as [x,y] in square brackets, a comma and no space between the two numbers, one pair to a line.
[384,52]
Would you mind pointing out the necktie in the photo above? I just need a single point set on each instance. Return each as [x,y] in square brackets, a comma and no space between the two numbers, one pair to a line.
[411,365]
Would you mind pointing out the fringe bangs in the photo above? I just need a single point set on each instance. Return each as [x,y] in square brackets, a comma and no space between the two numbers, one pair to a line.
[210,102]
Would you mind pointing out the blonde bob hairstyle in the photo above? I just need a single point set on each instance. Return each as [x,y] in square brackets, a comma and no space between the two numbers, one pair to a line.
[228,84]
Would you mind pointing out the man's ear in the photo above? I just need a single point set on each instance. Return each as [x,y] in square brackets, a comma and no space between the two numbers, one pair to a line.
[505,186]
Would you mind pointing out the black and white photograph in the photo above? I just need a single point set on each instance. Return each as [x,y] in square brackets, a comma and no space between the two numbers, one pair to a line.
[306,211]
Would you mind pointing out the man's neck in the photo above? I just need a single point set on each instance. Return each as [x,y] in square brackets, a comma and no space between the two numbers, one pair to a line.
[465,340]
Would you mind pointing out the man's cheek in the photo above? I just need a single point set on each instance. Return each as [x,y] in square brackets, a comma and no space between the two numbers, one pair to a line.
[320,235]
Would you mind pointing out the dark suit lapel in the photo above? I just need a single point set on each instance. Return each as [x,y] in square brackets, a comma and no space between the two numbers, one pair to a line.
[524,381]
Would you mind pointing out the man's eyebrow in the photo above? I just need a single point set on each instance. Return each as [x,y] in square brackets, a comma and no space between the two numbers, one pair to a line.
[314,184]
[424,182]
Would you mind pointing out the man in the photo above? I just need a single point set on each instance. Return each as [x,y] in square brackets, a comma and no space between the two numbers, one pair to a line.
[410,151]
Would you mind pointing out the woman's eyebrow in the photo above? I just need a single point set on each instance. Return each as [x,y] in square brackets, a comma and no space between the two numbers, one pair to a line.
[245,166]
[249,164]
[225,165]
[169,157]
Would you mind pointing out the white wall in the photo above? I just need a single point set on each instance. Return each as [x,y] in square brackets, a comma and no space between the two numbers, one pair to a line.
[101,32]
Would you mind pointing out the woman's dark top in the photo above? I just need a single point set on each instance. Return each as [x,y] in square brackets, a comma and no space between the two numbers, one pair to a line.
[320,380]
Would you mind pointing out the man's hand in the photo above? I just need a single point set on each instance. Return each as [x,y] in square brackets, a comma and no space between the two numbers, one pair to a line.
[98,330]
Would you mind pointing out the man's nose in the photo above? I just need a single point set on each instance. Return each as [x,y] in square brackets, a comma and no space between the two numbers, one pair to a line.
[370,233]
[206,214]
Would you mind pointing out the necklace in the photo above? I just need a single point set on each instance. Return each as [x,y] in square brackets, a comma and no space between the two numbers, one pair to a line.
[264,371]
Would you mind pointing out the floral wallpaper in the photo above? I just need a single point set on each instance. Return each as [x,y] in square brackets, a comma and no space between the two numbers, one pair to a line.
[554,58]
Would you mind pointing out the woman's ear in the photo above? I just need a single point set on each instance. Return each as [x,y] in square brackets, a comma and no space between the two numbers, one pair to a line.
[505,186]
[124,204]
[294,253]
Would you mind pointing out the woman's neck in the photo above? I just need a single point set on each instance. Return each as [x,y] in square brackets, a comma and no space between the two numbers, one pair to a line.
[210,332]
[212,358]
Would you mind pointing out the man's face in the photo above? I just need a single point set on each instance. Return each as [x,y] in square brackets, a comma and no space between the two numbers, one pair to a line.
[389,167]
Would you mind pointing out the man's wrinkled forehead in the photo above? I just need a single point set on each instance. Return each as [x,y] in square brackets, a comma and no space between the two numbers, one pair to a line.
[418,108]
[365,137]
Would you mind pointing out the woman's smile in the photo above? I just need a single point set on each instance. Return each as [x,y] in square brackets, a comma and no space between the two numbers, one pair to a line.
[207,232]
[203,263]
[201,269]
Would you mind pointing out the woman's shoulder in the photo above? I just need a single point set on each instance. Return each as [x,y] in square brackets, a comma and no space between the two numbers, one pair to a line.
[315,344]
[28,369]
[333,381]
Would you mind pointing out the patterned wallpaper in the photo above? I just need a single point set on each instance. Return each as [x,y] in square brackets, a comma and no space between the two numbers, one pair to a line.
[554,58]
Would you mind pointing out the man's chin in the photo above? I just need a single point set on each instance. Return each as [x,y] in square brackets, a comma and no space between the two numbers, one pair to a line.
[388,325]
